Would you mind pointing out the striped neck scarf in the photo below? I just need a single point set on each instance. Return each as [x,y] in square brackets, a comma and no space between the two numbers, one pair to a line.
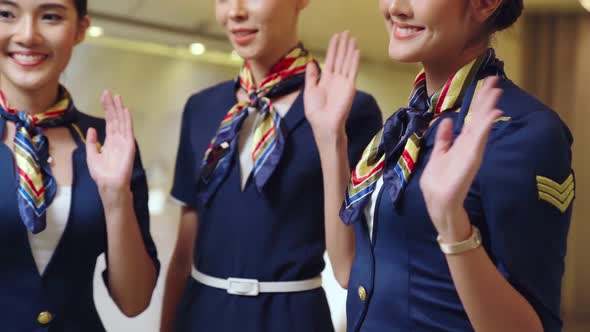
[36,185]
[394,151]
[285,77]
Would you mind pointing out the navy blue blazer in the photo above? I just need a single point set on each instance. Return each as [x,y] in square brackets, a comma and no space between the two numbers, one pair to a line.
[276,235]
[62,298]
[521,202]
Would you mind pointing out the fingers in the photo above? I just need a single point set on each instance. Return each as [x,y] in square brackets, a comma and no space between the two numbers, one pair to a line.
[354,67]
[444,137]
[351,55]
[91,143]
[128,124]
[475,133]
[120,116]
[311,76]
[331,53]
[117,116]
[342,52]
[108,105]
[485,112]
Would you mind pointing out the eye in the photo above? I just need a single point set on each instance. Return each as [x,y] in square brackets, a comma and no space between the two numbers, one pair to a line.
[52,17]
[6,14]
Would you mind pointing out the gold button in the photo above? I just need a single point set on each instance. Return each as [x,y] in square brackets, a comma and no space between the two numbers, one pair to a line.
[45,318]
[362,293]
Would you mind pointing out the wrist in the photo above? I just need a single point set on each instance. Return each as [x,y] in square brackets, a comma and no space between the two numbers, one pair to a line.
[115,198]
[456,228]
[331,139]
[471,243]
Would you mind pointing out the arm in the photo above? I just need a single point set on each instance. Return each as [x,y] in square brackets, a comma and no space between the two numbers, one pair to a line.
[132,273]
[491,302]
[180,267]
[328,102]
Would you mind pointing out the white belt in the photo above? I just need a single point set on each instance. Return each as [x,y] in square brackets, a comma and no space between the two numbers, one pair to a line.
[252,287]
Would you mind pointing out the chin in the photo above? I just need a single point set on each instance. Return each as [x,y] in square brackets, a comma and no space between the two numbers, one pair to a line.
[404,54]
[247,52]
[30,81]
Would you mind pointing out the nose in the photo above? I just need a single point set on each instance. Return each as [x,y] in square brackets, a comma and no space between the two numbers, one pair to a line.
[400,9]
[27,32]
[238,10]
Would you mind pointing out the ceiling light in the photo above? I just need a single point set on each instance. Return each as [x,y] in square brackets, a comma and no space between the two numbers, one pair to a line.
[95,31]
[198,49]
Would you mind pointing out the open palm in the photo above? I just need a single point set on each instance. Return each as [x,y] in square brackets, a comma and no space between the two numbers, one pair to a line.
[328,99]
[112,165]
[453,165]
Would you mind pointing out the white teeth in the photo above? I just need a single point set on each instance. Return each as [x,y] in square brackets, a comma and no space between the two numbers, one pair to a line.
[28,58]
[407,31]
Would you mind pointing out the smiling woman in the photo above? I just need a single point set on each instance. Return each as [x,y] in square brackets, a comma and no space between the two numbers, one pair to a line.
[250,246]
[72,201]
[456,194]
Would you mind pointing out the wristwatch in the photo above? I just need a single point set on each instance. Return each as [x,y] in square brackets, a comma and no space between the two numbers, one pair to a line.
[473,242]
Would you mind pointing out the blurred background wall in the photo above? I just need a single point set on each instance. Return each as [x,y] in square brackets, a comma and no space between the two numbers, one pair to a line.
[157,53]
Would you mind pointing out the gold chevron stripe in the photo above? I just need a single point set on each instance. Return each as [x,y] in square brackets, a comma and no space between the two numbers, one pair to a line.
[560,187]
[559,195]
[559,205]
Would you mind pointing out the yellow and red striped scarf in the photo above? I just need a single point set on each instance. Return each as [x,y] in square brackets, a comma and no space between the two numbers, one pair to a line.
[286,76]
[394,151]
[36,184]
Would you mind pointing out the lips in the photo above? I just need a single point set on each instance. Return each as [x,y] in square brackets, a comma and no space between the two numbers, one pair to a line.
[244,37]
[406,31]
[28,59]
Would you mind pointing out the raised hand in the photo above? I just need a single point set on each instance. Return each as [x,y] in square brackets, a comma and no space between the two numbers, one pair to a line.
[452,166]
[328,99]
[111,167]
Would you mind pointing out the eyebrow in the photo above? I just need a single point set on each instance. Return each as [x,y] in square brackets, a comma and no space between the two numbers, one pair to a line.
[53,6]
[8,2]
[44,6]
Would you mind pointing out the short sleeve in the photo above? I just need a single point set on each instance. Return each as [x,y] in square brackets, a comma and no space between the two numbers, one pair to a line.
[184,187]
[364,122]
[527,189]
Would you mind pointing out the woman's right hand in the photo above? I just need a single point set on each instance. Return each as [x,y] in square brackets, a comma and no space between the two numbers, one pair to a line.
[328,97]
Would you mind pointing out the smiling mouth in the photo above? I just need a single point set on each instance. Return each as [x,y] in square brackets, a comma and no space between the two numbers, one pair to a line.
[402,31]
[244,36]
[28,59]
[243,33]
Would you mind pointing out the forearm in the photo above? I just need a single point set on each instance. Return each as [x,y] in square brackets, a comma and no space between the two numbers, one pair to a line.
[132,274]
[490,301]
[178,273]
[180,268]
[336,175]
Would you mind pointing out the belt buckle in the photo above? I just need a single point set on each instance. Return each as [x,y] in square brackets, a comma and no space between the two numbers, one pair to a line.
[243,287]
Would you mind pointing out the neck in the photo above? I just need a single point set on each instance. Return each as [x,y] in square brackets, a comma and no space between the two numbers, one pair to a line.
[439,70]
[261,66]
[32,101]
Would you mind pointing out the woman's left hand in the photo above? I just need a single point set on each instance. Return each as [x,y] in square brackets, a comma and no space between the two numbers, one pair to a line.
[452,166]
[111,167]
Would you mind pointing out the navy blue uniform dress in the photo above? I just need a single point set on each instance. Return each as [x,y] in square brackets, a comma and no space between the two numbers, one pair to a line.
[276,235]
[65,290]
[521,202]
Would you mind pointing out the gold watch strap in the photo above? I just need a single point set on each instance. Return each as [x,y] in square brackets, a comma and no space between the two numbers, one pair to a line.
[473,242]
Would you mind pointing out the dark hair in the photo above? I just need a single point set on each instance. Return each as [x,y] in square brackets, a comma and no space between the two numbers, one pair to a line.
[507,14]
[81,8]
